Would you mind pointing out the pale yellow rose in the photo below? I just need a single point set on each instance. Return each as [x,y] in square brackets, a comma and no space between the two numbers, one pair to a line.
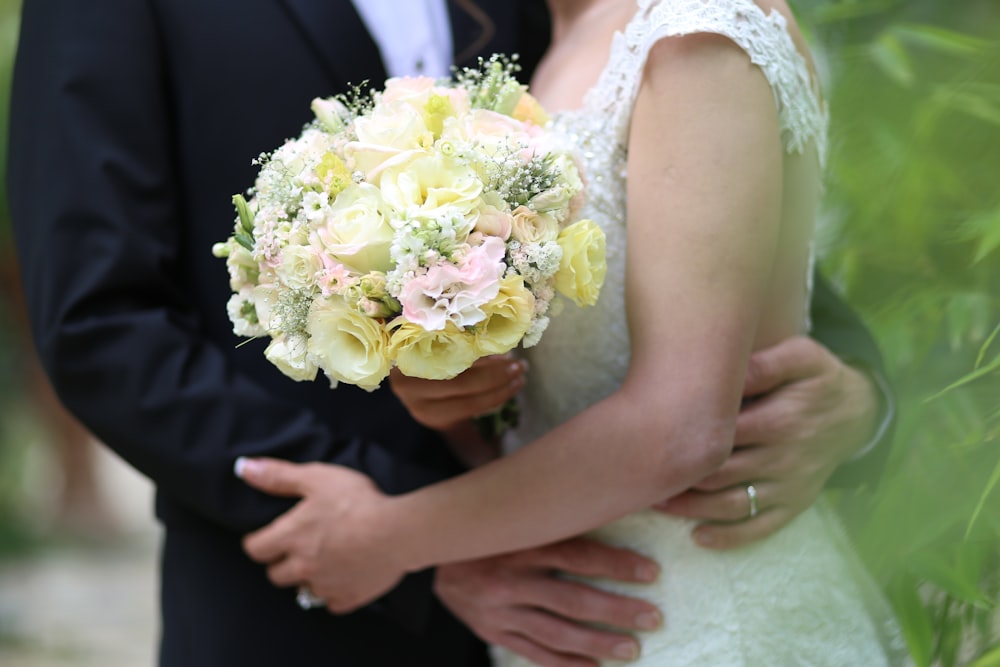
[290,355]
[356,232]
[528,110]
[530,226]
[431,185]
[432,355]
[348,346]
[508,317]
[584,264]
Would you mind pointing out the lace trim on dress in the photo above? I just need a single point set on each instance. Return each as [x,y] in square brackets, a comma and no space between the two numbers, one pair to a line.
[764,37]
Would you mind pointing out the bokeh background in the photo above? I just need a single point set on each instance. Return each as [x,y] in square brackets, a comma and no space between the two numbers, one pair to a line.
[911,235]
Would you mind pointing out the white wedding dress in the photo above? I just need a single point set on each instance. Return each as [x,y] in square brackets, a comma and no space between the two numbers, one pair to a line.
[799,597]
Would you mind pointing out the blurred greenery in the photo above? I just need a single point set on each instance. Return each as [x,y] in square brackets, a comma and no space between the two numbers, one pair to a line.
[14,531]
[912,236]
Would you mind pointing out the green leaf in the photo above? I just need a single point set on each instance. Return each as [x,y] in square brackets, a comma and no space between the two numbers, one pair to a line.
[986,346]
[990,487]
[985,229]
[989,659]
[982,371]
[940,39]
[918,628]
[890,56]
[961,580]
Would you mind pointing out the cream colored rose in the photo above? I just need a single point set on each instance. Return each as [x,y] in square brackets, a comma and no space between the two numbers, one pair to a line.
[298,267]
[508,317]
[290,355]
[356,232]
[430,185]
[348,346]
[532,227]
[392,128]
[331,113]
[584,264]
[432,355]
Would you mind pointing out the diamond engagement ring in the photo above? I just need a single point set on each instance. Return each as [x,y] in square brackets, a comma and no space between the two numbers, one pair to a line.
[307,599]
[752,497]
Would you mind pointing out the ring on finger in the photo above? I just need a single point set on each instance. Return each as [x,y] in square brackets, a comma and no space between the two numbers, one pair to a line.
[752,497]
[307,599]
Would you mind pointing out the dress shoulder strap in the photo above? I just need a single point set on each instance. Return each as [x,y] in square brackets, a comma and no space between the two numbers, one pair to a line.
[765,39]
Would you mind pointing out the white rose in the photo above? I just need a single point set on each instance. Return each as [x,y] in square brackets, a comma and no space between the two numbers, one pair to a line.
[356,232]
[290,355]
[298,266]
[392,128]
[533,227]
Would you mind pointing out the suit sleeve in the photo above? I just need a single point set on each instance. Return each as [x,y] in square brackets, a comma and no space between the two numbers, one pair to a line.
[841,330]
[94,193]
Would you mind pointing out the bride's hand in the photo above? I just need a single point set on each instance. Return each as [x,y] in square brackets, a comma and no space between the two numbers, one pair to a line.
[445,404]
[333,540]
[812,413]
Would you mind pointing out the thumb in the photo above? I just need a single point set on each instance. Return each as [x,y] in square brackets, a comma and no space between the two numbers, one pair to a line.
[273,476]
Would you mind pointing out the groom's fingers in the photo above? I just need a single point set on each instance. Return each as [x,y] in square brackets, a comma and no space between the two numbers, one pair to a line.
[590,558]
[540,655]
[792,359]
[580,602]
[570,641]
[741,533]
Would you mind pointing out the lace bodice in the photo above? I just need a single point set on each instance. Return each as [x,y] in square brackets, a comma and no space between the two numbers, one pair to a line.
[599,133]
[793,599]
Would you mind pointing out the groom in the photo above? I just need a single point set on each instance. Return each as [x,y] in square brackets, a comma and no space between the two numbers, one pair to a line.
[132,125]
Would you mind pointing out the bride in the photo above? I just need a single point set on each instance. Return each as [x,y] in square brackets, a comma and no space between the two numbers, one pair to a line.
[712,110]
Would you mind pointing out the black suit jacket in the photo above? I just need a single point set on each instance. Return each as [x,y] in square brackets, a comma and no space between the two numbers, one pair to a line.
[132,125]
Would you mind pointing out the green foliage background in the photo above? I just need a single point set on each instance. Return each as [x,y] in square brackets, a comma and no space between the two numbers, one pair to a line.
[912,237]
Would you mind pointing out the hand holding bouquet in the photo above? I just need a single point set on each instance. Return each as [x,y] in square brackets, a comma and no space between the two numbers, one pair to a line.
[424,226]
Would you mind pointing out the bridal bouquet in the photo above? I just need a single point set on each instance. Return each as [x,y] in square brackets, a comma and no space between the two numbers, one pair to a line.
[423,226]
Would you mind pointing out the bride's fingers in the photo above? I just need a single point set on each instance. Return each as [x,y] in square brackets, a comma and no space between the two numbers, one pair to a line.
[732,504]
[287,572]
[488,373]
[745,465]
[741,533]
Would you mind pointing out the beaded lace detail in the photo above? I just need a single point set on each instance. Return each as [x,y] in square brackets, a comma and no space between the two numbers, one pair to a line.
[798,597]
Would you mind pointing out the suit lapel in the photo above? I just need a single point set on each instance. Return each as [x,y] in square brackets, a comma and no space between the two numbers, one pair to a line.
[340,40]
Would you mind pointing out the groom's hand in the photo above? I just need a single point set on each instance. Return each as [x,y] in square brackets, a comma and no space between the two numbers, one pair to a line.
[809,412]
[517,601]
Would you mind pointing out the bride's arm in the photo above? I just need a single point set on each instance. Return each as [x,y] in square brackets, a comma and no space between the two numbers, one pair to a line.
[696,277]
[695,282]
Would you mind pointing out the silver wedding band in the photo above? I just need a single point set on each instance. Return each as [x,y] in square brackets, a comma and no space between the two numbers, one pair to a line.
[307,599]
[752,497]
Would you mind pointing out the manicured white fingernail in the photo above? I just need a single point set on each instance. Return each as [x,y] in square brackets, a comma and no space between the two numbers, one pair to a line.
[626,651]
[246,465]
[649,620]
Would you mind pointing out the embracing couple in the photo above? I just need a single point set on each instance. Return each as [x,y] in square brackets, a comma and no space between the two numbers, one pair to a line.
[685,426]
